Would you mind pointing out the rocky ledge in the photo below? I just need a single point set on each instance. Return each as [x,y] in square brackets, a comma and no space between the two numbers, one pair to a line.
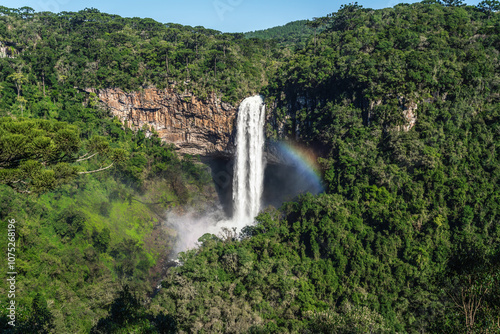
[193,126]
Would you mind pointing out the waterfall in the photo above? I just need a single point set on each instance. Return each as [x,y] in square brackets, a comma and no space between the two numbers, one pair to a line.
[248,182]
[249,165]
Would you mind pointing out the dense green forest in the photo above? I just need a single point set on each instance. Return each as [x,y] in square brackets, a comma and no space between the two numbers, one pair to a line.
[90,193]
[93,49]
[293,35]
[87,230]
[406,238]
[401,103]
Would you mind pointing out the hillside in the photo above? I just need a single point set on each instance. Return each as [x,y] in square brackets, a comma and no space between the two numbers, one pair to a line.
[401,106]
[88,193]
[93,49]
[291,35]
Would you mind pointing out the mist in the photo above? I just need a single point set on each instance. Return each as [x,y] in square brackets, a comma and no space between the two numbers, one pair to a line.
[282,183]
[192,225]
[245,184]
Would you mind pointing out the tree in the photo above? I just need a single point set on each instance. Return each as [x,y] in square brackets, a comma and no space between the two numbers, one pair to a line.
[315,24]
[489,6]
[349,319]
[19,80]
[165,48]
[22,102]
[452,3]
[43,63]
[26,12]
[101,239]
[117,156]
[126,314]
[344,18]
[41,320]
[39,155]
[468,296]
[473,281]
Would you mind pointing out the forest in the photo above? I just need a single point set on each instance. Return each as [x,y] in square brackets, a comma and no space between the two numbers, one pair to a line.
[401,104]
[293,35]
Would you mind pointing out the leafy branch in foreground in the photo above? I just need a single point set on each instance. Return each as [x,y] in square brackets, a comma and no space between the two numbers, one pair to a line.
[39,155]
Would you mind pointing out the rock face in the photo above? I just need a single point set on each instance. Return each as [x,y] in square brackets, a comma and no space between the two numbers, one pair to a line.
[7,50]
[408,109]
[410,115]
[193,126]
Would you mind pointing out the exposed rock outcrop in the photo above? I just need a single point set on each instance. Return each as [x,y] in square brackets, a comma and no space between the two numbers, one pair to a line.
[193,126]
[408,109]
[410,115]
[7,50]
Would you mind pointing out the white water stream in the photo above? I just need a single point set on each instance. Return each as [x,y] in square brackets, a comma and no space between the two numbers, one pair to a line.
[248,176]
[248,181]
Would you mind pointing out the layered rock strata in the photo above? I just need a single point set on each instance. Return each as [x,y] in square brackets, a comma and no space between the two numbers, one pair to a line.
[193,126]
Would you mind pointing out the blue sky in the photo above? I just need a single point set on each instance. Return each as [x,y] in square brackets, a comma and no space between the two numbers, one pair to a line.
[223,15]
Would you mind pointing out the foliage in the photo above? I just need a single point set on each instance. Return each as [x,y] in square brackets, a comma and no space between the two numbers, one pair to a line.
[293,35]
[401,104]
[87,194]
[37,154]
[405,238]
[127,315]
[93,49]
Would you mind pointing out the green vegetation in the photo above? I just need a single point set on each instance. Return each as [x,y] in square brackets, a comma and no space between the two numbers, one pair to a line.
[82,242]
[380,61]
[293,35]
[88,195]
[401,103]
[406,238]
[28,146]
[93,49]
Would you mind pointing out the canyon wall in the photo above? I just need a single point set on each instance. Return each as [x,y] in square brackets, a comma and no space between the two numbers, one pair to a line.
[193,126]
[201,127]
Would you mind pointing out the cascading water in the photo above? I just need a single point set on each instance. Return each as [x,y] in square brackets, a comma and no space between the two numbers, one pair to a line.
[248,182]
[249,167]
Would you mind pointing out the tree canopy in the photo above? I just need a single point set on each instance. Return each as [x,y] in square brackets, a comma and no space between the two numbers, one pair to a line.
[401,104]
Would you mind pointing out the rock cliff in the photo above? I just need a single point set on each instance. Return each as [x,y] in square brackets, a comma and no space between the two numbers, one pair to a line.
[193,126]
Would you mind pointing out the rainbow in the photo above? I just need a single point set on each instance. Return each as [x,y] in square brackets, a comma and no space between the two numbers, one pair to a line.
[306,163]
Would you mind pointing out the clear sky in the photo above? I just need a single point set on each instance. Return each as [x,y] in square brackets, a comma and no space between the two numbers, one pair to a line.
[223,15]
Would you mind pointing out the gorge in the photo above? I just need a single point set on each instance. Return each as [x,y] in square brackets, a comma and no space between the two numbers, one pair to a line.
[247,189]
[126,143]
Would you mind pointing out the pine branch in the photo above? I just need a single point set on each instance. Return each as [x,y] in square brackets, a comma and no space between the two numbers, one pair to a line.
[82,158]
[97,170]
